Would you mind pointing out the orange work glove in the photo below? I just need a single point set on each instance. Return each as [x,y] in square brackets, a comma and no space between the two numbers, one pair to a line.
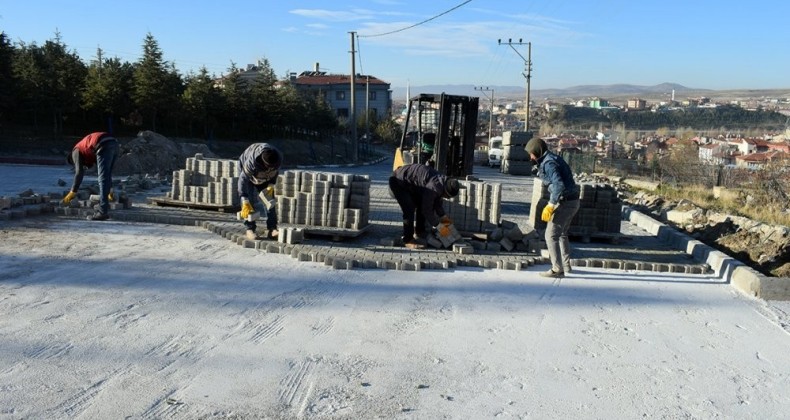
[444,230]
[70,196]
[548,212]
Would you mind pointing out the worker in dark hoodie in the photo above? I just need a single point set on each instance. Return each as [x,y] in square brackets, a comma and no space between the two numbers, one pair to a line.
[562,206]
[419,190]
[260,164]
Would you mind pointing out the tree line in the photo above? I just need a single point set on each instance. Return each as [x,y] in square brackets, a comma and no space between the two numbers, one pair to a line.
[725,116]
[47,90]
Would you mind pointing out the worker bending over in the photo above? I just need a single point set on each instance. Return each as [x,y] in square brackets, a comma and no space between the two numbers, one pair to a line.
[260,165]
[419,190]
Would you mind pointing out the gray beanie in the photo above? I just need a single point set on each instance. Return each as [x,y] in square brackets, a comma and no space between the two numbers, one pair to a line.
[536,146]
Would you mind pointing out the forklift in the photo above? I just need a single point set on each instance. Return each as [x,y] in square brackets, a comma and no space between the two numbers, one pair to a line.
[440,132]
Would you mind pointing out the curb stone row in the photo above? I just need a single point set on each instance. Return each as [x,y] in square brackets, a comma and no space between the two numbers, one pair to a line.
[350,256]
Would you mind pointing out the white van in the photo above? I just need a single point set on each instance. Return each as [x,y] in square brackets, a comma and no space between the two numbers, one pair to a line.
[495,151]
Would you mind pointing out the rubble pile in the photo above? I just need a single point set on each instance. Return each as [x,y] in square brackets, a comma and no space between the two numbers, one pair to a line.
[152,153]
[766,248]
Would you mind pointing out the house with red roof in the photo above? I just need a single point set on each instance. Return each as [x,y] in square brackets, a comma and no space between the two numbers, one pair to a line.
[759,160]
[370,92]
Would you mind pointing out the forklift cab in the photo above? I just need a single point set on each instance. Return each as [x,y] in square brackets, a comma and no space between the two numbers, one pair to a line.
[440,131]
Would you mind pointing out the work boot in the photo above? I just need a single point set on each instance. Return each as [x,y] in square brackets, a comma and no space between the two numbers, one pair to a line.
[251,235]
[552,274]
[98,217]
[408,230]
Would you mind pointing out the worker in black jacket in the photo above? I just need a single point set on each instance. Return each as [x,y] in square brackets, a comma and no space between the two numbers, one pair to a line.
[419,190]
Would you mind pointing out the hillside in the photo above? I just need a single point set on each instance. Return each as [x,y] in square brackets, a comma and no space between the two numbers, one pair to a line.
[612,92]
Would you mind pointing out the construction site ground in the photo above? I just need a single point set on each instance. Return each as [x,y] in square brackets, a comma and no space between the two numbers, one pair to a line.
[149,315]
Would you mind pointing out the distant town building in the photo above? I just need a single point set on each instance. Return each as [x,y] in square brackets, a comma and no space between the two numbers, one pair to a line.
[759,160]
[599,103]
[636,103]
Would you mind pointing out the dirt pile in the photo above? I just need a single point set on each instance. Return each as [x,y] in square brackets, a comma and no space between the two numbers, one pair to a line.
[766,248]
[155,154]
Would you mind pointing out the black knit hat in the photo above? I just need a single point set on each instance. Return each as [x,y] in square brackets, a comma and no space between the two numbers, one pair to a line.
[451,187]
[272,158]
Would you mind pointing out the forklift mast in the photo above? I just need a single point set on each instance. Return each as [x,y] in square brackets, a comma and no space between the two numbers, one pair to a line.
[440,131]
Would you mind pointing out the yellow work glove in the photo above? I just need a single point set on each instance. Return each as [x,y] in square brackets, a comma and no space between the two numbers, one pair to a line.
[246,208]
[70,196]
[267,196]
[110,195]
[445,220]
[548,212]
[444,230]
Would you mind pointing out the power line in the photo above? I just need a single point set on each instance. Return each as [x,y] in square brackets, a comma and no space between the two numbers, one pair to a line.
[359,55]
[416,24]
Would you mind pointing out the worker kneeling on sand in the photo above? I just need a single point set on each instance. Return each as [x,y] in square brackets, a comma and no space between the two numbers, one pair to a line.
[260,165]
[100,149]
[419,190]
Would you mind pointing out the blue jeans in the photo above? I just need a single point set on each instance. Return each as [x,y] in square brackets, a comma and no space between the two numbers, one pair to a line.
[255,200]
[105,160]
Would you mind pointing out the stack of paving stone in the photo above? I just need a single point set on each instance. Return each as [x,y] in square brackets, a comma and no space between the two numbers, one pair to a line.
[323,199]
[303,197]
[207,181]
[599,212]
[515,159]
[476,208]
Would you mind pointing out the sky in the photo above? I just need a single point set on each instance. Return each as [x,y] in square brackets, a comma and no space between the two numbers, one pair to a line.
[705,44]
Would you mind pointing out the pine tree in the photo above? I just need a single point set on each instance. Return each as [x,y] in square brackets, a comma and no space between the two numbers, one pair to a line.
[151,81]
[201,100]
[106,87]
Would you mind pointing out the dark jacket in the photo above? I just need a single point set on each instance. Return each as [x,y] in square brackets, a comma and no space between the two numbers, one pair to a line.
[428,185]
[555,172]
[253,173]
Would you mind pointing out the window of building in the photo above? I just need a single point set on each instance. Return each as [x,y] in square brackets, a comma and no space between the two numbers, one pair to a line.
[340,95]
[372,96]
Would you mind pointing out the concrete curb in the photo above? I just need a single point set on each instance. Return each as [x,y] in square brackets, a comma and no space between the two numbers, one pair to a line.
[730,270]
[739,275]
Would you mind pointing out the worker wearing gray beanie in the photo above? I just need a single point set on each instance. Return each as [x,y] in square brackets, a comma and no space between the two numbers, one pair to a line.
[562,206]
[536,147]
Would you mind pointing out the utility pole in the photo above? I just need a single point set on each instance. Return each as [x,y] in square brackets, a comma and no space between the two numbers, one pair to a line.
[491,112]
[353,106]
[367,114]
[527,74]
